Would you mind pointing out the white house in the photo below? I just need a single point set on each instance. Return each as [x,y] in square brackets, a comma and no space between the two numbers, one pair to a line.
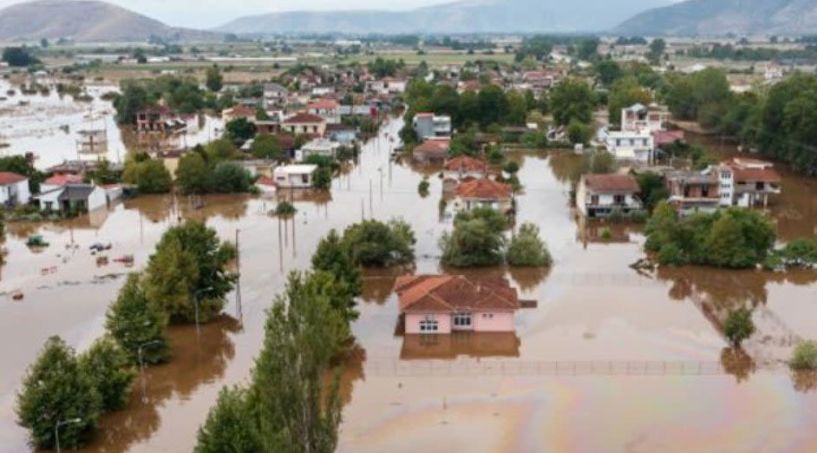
[601,195]
[73,197]
[746,182]
[639,118]
[294,176]
[428,125]
[634,146]
[275,95]
[13,189]
[318,147]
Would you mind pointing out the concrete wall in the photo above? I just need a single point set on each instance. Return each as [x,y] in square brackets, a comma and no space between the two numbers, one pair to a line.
[493,322]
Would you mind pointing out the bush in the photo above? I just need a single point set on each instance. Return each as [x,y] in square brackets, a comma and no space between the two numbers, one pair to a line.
[55,389]
[738,326]
[423,187]
[229,177]
[150,176]
[804,356]
[111,372]
[473,243]
[192,175]
[495,221]
[322,178]
[376,244]
[266,146]
[527,248]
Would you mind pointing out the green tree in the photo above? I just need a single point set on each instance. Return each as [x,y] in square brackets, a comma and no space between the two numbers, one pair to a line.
[149,176]
[19,57]
[739,240]
[578,132]
[20,165]
[134,322]
[571,100]
[132,99]
[331,256]
[229,177]
[472,243]
[517,108]
[493,218]
[266,146]
[240,130]
[214,81]
[296,410]
[738,326]
[193,176]
[322,178]
[588,49]
[220,150]
[372,243]
[56,391]
[190,266]
[657,48]
[608,72]
[653,189]
[493,106]
[528,249]
[111,371]
[231,425]
[624,93]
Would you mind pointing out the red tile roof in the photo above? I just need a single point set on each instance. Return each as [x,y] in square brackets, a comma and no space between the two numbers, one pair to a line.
[241,111]
[323,104]
[7,177]
[466,163]
[266,181]
[611,183]
[667,137]
[301,118]
[454,293]
[484,189]
[745,175]
[434,146]
[61,180]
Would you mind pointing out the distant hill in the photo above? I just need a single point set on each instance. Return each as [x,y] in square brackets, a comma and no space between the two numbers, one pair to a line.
[468,16]
[85,20]
[719,17]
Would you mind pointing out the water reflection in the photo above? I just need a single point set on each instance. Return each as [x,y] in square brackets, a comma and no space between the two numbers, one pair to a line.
[738,363]
[466,344]
[196,360]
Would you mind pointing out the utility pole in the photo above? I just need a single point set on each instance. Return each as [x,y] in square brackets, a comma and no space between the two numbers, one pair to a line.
[238,308]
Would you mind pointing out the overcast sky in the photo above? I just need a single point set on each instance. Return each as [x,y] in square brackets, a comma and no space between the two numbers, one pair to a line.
[208,13]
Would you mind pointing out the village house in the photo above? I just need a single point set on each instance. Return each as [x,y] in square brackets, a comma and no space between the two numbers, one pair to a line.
[386,85]
[294,176]
[465,167]
[442,304]
[428,125]
[237,112]
[691,192]
[483,193]
[318,147]
[72,198]
[258,167]
[640,118]
[159,119]
[631,146]
[59,180]
[266,185]
[341,133]
[305,123]
[602,195]
[431,151]
[328,109]
[275,96]
[746,182]
[13,189]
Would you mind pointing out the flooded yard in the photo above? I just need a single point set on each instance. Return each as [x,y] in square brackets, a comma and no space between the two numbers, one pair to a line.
[611,359]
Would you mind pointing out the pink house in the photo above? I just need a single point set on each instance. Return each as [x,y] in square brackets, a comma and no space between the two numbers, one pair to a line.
[440,304]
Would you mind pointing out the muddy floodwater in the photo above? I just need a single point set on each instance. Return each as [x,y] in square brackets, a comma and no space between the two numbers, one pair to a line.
[612,359]
[48,125]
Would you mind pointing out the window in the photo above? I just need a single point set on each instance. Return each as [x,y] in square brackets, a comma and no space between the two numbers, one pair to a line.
[726,174]
[618,199]
[305,179]
[462,320]
[427,326]
[594,199]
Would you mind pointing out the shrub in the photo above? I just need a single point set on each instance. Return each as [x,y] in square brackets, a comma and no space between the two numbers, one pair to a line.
[423,187]
[738,326]
[527,248]
[377,244]
[804,356]
[473,243]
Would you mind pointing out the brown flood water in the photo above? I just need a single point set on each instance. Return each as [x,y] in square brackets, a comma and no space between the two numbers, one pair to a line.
[610,360]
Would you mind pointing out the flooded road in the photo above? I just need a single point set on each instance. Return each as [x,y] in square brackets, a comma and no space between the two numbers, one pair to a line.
[611,359]
[48,125]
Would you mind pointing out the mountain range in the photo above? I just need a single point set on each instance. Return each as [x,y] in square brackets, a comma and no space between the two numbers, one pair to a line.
[467,16]
[719,17]
[98,21]
[86,21]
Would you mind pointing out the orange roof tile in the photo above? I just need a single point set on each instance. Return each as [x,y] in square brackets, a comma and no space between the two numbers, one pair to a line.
[452,293]
[611,183]
[484,189]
